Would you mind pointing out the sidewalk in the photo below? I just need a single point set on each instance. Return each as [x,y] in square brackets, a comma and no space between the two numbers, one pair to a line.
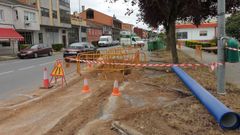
[4,58]
[232,69]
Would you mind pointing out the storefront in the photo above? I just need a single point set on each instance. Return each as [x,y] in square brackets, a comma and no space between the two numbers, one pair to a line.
[9,41]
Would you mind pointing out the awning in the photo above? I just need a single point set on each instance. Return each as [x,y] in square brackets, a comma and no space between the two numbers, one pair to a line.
[10,33]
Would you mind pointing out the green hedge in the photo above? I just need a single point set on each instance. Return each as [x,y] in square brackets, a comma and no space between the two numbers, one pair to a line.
[57,47]
[24,46]
[192,44]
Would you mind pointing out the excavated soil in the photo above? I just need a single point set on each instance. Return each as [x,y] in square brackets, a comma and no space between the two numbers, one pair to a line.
[153,101]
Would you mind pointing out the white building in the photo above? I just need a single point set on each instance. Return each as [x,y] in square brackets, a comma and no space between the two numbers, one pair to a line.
[15,18]
[202,33]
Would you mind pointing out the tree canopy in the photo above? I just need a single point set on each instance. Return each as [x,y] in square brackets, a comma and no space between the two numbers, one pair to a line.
[167,12]
[233,25]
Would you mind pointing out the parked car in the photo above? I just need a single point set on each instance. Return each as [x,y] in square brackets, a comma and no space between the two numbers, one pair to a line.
[35,51]
[105,41]
[75,48]
[116,42]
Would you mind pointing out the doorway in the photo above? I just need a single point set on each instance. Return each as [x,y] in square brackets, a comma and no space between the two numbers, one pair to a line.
[64,41]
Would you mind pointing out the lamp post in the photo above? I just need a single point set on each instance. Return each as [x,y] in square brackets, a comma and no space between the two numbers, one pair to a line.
[221,37]
[221,59]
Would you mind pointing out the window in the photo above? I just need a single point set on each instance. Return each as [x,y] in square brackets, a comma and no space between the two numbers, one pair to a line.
[27,37]
[45,12]
[40,36]
[182,35]
[1,15]
[16,14]
[83,29]
[29,16]
[54,14]
[84,39]
[64,3]
[5,44]
[203,33]
[65,16]
[90,14]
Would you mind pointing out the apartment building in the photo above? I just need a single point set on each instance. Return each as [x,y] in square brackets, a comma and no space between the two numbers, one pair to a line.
[54,18]
[127,27]
[109,25]
[16,18]
[116,28]
[141,32]
[78,32]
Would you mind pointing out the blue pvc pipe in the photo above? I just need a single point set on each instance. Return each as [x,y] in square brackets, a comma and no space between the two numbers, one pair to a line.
[223,115]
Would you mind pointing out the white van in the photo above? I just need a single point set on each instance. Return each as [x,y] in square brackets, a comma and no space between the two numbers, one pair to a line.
[137,41]
[105,41]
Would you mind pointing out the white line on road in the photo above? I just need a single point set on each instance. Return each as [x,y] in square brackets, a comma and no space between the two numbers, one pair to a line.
[43,64]
[26,68]
[8,72]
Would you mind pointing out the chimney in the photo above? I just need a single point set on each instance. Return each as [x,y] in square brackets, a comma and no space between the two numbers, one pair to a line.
[83,8]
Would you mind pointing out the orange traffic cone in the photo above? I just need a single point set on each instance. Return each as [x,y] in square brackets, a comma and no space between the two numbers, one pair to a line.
[116,89]
[85,86]
[46,84]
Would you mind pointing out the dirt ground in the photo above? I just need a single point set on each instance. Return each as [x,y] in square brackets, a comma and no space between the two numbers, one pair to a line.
[153,101]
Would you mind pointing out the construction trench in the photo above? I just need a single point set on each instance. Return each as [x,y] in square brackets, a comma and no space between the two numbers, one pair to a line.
[153,101]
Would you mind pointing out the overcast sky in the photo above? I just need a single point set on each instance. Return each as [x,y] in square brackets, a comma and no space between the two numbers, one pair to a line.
[118,8]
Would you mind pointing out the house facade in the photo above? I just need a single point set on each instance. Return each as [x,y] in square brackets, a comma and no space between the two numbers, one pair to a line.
[109,25]
[203,33]
[17,18]
[78,32]
[54,18]
[127,27]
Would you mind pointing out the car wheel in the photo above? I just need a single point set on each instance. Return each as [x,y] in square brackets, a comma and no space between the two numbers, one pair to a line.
[21,57]
[50,53]
[35,55]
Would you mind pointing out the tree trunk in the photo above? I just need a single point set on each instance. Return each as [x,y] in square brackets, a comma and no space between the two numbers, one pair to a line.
[168,42]
[171,36]
[167,39]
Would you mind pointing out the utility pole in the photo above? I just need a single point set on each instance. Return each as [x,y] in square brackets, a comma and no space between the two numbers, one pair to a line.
[221,58]
[79,8]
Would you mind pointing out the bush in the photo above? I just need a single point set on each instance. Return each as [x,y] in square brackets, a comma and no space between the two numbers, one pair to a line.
[24,46]
[57,47]
[192,44]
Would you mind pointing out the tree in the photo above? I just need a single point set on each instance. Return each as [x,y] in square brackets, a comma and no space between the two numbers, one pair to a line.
[167,12]
[233,25]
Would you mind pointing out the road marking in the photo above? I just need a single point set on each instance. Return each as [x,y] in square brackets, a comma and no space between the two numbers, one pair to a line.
[26,68]
[43,64]
[8,72]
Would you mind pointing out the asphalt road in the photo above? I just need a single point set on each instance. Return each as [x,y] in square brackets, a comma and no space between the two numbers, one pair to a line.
[24,75]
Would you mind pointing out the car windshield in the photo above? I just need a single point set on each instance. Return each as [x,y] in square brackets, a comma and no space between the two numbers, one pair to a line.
[103,39]
[34,47]
[76,46]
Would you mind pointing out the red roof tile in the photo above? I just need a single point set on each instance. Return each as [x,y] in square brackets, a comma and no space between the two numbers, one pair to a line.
[205,25]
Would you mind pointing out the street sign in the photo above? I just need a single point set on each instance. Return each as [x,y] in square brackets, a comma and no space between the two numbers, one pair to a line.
[58,72]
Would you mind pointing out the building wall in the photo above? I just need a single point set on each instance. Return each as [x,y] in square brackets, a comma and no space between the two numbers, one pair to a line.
[8,15]
[49,38]
[139,32]
[20,22]
[83,35]
[127,27]
[194,34]
[99,17]
[93,34]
